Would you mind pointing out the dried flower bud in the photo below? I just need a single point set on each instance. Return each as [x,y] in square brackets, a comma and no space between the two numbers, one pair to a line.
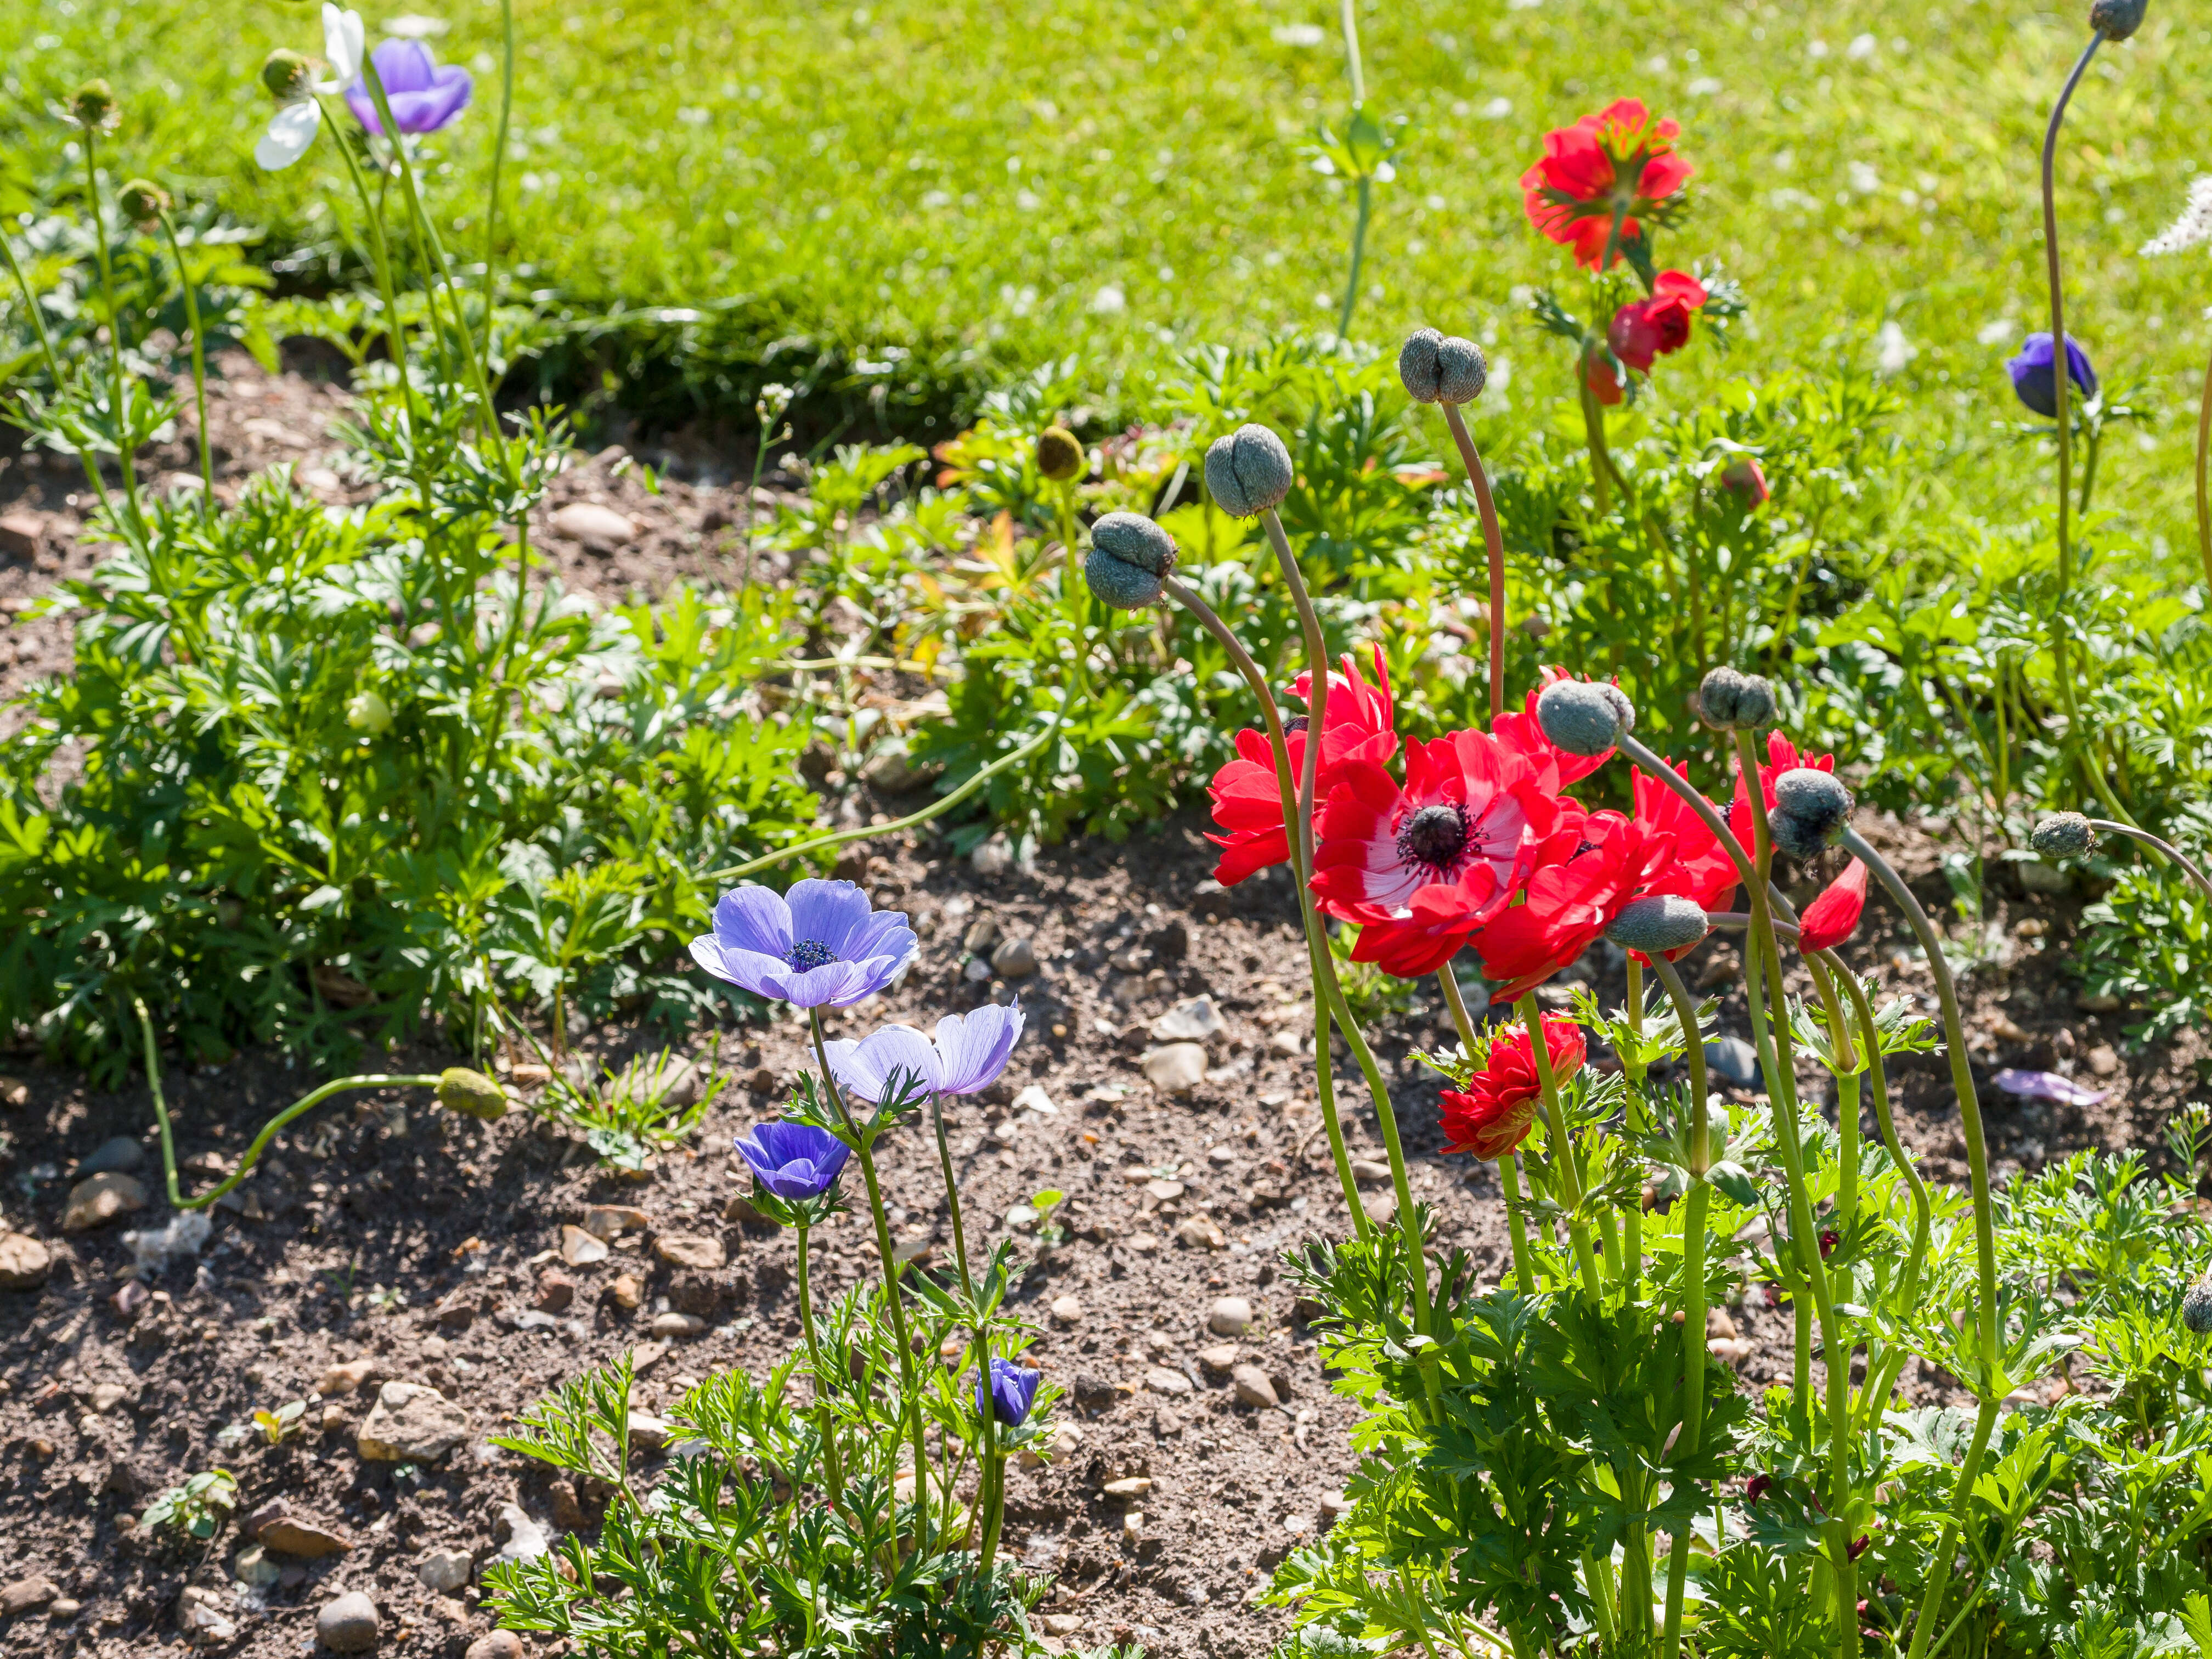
[1060,454]
[1659,924]
[2063,836]
[1249,471]
[471,1093]
[1130,556]
[1583,717]
[1728,700]
[1442,368]
[93,104]
[1811,809]
[143,200]
[2115,20]
[2197,1306]
[287,75]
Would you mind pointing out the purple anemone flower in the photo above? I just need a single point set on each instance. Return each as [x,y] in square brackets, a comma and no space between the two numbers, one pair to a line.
[968,1053]
[795,1160]
[424,97]
[1009,1393]
[2033,376]
[817,946]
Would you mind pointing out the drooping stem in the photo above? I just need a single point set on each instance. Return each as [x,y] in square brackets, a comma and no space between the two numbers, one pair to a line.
[1493,544]
[1563,1152]
[822,1375]
[1695,1206]
[2196,875]
[910,1405]
[199,362]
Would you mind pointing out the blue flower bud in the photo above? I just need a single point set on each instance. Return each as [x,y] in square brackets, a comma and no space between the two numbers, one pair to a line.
[1249,471]
[1728,700]
[1811,809]
[1442,368]
[2115,20]
[1129,557]
[1658,925]
[2034,373]
[1583,717]
[2063,836]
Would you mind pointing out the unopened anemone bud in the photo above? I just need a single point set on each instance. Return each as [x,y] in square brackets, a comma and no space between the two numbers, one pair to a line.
[287,75]
[143,200]
[1247,471]
[2197,1305]
[471,1093]
[1659,925]
[1811,810]
[365,711]
[2063,836]
[1442,368]
[93,104]
[2115,20]
[1728,700]
[1059,454]
[1130,557]
[1585,717]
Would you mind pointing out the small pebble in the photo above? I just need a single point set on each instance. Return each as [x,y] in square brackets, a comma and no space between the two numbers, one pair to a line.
[347,1625]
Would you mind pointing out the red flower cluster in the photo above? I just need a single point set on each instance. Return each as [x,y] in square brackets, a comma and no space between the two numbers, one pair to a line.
[1493,1117]
[1619,164]
[1659,326]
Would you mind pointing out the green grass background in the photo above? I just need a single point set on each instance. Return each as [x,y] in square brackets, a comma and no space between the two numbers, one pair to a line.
[958,190]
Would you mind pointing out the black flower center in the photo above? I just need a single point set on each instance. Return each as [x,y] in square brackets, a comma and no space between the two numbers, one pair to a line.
[810,953]
[1435,835]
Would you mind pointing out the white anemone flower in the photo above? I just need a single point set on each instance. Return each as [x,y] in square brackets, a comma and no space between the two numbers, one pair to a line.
[294,126]
[2193,228]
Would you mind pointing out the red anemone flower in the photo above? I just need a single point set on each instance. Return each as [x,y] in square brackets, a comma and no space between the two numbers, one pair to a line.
[1659,326]
[1584,875]
[1700,869]
[1597,374]
[1744,479]
[1619,162]
[1421,867]
[1246,802]
[1492,1117]
[1524,733]
[1782,756]
[1833,917]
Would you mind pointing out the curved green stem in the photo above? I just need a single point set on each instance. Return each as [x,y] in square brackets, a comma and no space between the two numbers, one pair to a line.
[395,339]
[2157,844]
[822,1375]
[54,371]
[1493,542]
[1696,1205]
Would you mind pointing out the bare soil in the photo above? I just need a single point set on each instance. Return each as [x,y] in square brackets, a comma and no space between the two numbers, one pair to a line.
[382,1230]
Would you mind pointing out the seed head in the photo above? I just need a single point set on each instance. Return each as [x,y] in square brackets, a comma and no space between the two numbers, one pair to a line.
[93,106]
[2197,1306]
[1658,924]
[2115,20]
[143,200]
[287,73]
[471,1093]
[1584,718]
[1059,454]
[1442,368]
[1130,556]
[1249,471]
[2063,836]
[1811,810]
[1728,700]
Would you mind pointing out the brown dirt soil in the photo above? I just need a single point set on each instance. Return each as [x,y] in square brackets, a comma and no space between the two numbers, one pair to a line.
[380,1230]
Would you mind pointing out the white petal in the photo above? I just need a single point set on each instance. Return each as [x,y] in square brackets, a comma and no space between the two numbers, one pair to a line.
[343,35]
[291,130]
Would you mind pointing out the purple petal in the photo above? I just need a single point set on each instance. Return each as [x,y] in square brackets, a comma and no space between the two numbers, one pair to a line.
[975,1046]
[764,976]
[754,919]
[2047,1086]
[868,1070]
[403,65]
[881,935]
[833,984]
[829,913]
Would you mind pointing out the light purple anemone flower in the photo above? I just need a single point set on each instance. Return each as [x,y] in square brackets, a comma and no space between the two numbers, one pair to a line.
[968,1053]
[424,97]
[817,946]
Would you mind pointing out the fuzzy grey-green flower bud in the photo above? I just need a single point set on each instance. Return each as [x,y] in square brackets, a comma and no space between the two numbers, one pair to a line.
[1583,717]
[1129,557]
[1726,701]
[2063,836]
[472,1093]
[1249,471]
[2197,1306]
[2115,20]
[1442,368]
[143,201]
[1811,810]
[1659,924]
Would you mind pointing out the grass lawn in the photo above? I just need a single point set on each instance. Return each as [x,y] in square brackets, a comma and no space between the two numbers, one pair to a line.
[955,188]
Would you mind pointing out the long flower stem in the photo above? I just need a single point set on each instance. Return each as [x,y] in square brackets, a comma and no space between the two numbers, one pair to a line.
[395,340]
[951,1192]
[821,1376]
[124,455]
[1631,1220]
[1508,1174]
[2204,476]
[1493,544]
[2195,872]
[54,371]
[911,1406]
[1748,872]
[1695,1208]
[1594,434]
[1563,1152]
[1366,188]
[498,160]
[199,362]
